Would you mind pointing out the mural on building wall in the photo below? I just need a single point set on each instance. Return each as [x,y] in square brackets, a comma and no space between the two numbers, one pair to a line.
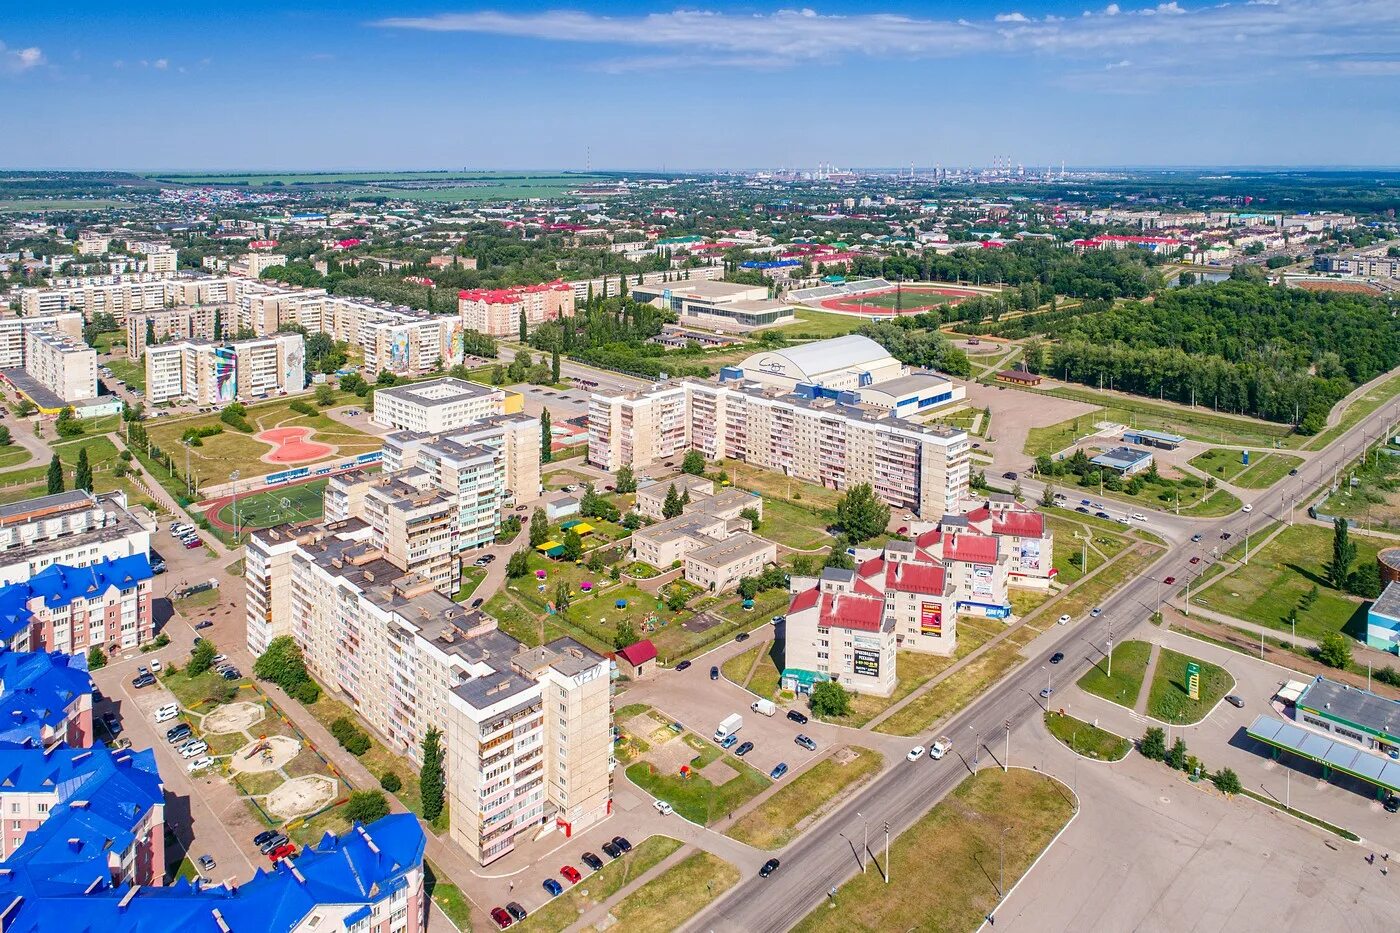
[225,374]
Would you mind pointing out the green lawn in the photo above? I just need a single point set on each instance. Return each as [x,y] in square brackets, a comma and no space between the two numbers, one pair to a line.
[1355,413]
[1168,699]
[781,817]
[1086,739]
[129,371]
[448,897]
[793,525]
[766,676]
[946,866]
[563,911]
[1070,551]
[1129,665]
[667,901]
[1267,469]
[1219,462]
[820,324]
[1278,578]
[916,668]
[694,797]
[1198,424]
[1051,439]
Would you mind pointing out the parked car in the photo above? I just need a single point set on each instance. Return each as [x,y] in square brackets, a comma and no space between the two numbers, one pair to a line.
[683,665]
[744,749]
[199,764]
[272,842]
[622,843]
[206,623]
[110,721]
[264,836]
[285,850]
[476,603]
[1235,701]
[663,807]
[156,666]
[714,672]
[768,868]
[806,742]
[779,770]
[1095,612]
[742,636]
[501,917]
[516,911]
[1057,657]
[776,619]
[797,717]
[198,748]
[915,753]
[591,860]
[730,741]
[142,680]
[1064,619]
[194,543]
[571,874]
[207,863]
[1225,536]
[182,731]
[231,673]
[1392,804]
[611,850]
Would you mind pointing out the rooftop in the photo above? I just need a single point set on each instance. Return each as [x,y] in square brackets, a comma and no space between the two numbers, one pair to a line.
[444,391]
[1354,705]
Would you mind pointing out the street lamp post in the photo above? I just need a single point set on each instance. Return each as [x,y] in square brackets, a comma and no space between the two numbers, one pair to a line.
[233,478]
[865,843]
[888,867]
[976,747]
[1006,765]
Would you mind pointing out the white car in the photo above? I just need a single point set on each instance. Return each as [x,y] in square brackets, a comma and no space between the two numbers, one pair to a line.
[1139,517]
[198,748]
[156,665]
[1247,508]
[663,808]
[1064,620]
[915,753]
[199,764]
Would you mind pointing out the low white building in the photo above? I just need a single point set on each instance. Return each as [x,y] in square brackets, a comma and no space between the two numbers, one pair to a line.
[436,406]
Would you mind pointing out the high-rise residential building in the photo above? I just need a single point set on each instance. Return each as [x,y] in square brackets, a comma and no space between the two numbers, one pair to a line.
[64,366]
[73,529]
[186,322]
[15,331]
[436,406]
[205,372]
[106,604]
[497,311]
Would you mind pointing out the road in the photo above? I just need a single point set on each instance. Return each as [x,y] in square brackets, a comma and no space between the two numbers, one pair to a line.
[822,859]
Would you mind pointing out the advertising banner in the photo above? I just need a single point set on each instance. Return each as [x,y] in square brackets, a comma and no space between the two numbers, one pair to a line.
[982,580]
[867,662]
[1030,554]
[931,619]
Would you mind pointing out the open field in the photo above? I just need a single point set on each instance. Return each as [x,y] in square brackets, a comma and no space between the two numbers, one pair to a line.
[1168,699]
[776,486]
[564,910]
[667,901]
[820,324]
[917,668]
[955,848]
[694,797]
[792,525]
[1053,438]
[1085,739]
[1264,469]
[261,179]
[1281,574]
[130,372]
[1219,462]
[265,509]
[778,820]
[25,205]
[1129,666]
[1199,424]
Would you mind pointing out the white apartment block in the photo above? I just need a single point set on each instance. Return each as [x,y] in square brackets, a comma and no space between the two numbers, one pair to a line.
[65,366]
[436,406]
[919,467]
[186,322]
[72,528]
[116,295]
[206,373]
[14,334]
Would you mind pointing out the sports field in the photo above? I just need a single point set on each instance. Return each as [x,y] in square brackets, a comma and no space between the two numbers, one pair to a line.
[273,507]
[905,301]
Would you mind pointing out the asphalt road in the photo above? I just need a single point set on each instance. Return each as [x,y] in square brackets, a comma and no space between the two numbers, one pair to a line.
[826,856]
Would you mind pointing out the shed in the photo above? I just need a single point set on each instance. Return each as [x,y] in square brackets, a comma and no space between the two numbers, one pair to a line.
[638,661]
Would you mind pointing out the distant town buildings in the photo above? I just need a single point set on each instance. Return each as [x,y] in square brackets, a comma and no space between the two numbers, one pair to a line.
[498,311]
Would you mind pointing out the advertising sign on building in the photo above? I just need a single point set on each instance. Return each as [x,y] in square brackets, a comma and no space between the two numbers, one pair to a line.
[867,662]
[931,619]
[1030,554]
[982,580]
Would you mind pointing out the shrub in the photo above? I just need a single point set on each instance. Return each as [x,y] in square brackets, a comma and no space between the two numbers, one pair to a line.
[1227,781]
[1153,744]
[96,658]
[390,782]
[1334,650]
[350,737]
[366,806]
[830,699]
[302,408]
[306,692]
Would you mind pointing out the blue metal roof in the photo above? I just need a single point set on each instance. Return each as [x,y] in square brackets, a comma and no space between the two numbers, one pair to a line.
[60,585]
[38,687]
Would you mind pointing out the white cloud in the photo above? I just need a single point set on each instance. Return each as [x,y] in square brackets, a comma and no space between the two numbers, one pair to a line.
[1114,66]
[1200,41]
[160,64]
[15,61]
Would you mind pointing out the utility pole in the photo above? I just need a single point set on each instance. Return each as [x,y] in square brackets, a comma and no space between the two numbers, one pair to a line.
[1110,649]
[888,867]
[1006,766]
[865,844]
[233,478]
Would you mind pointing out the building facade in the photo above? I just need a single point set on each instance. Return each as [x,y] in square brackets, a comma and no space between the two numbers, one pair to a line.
[498,311]
[205,372]
[436,406]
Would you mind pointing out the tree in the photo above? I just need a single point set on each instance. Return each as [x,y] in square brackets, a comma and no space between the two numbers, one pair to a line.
[1334,650]
[524,327]
[626,635]
[694,463]
[573,545]
[546,438]
[218,326]
[1153,744]
[676,600]
[1365,581]
[626,480]
[1047,497]
[366,806]
[82,474]
[391,782]
[432,783]
[282,664]
[830,700]
[5,438]
[751,514]
[202,659]
[96,658]
[561,597]
[1343,553]
[838,558]
[860,515]
[325,395]
[631,521]
[1226,781]
[554,365]
[672,506]
[55,475]
[519,564]
[1177,756]
[151,330]
[539,528]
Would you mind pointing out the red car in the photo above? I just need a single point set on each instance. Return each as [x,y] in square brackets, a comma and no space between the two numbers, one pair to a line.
[571,873]
[1195,560]
[194,543]
[1169,581]
[283,851]
[502,918]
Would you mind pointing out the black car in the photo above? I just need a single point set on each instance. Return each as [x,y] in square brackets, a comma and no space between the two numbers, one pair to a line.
[476,603]
[768,868]
[1292,472]
[263,836]
[612,850]
[622,843]
[683,665]
[230,673]
[591,860]
[1057,657]
[742,636]
[1081,509]
[1392,804]
[1101,515]
[516,911]
[744,749]
[207,623]
[110,719]
[182,731]
[1008,475]
[797,717]
[714,672]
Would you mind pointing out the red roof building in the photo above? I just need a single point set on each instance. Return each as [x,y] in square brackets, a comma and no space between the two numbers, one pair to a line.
[638,661]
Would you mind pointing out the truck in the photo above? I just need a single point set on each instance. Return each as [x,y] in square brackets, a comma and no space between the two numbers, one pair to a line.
[764,707]
[940,747]
[732,724]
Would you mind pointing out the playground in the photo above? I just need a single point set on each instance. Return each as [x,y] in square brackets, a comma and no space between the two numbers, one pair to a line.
[270,753]
[234,717]
[913,299]
[290,446]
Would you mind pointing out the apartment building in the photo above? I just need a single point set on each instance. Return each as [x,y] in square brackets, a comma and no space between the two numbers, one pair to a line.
[205,372]
[415,524]
[72,529]
[185,322]
[64,366]
[45,701]
[528,731]
[436,406]
[116,295]
[838,630]
[498,311]
[1361,265]
[15,331]
[105,605]
[923,468]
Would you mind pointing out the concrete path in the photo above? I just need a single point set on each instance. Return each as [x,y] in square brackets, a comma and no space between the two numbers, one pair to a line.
[1144,691]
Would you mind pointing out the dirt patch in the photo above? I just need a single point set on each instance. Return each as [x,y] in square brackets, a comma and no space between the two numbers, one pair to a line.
[267,754]
[669,758]
[701,622]
[844,755]
[234,717]
[718,772]
[302,795]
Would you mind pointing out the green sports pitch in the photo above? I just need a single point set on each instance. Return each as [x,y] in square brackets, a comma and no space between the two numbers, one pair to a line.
[276,506]
[913,298]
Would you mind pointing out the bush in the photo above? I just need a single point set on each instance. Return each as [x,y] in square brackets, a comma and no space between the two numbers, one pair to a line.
[366,806]
[306,692]
[1227,781]
[1153,744]
[830,699]
[1334,650]
[350,737]
[1388,675]
[96,658]
[390,782]
[303,408]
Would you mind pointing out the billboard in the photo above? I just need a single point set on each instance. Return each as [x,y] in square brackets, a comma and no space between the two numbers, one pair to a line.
[294,364]
[225,374]
[867,662]
[931,619]
[398,351]
[1030,554]
[982,575]
[456,344]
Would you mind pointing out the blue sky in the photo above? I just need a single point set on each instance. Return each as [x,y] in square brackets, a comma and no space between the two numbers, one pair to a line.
[430,84]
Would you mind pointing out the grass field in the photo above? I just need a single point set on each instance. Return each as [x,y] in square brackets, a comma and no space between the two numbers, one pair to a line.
[778,820]
[24,205]
[1362,407]
[917,668]
[1168,699]
[1220,463]
[259,179]
[694,797]
[913,298]
[820,324]
[1281,574]
[1053,438]
[1198,424]
[1085,739]
[793,525]
[1265,468]
[265,509]
[667,901]
[561,912]
[765,677]
[1129,666]
[945,870]
[130,372]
